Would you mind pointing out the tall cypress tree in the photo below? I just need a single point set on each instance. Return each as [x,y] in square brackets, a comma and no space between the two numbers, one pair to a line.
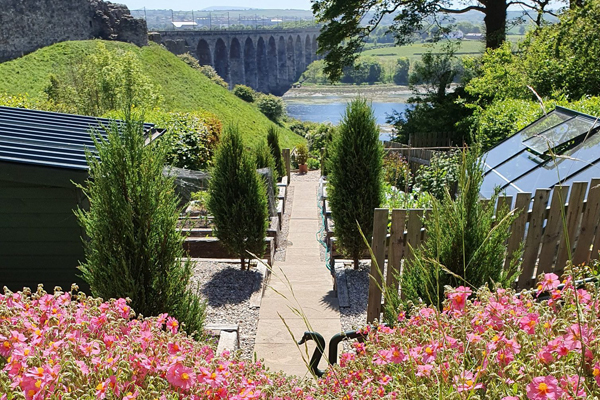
[133,247]
[237,198]
[355,177]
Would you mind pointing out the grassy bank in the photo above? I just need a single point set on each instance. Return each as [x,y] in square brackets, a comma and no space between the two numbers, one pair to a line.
[183,88]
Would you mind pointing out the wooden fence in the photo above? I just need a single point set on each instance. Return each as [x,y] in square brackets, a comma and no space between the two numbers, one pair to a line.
[539,226]
[430,139]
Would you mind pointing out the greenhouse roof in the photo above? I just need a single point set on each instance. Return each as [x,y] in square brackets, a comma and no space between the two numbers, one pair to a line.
[560,147]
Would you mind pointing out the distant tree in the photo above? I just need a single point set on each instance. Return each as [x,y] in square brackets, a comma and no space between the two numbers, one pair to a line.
[401,71]
[355,177]
[237,198]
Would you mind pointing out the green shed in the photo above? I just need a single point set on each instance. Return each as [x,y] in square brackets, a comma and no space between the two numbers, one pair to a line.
[42,156]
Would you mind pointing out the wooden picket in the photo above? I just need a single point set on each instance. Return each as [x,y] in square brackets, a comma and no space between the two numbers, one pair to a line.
[549,234]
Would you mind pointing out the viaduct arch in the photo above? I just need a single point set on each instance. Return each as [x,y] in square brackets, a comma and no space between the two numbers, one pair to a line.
[268,61]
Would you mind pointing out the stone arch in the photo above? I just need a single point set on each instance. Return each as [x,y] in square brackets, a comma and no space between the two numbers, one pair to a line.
[221,59]
[299,54]
[282,68]
[203,52]
[236,63]
[291,59]
[315,46]
[250,63]
[307,51]
[273,66]
[262,66]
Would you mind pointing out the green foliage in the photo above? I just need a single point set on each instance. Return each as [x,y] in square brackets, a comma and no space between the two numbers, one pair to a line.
[354,176]
[190,60]
[104,81]
[190,138]
[396,171]
[396,198]
[245,93]
[465,242]
[134,248]
[365,70]
[401,71]
[301,154]
[314,73]
[237,198]
[211,73]
[272,107]
[313,164]
[273,142]
[183,89]
[441,176]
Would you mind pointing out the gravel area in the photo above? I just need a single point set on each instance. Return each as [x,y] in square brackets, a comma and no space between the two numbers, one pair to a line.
[355,316]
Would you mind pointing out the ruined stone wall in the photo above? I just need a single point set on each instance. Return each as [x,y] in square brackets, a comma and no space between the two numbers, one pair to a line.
[27,25]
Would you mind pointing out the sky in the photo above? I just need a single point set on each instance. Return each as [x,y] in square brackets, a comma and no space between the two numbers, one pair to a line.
[199,5]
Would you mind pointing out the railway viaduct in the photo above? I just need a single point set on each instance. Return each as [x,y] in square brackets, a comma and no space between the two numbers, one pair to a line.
[268,61]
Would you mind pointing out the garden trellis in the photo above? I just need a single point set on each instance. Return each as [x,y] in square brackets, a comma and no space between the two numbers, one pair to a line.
[551,229]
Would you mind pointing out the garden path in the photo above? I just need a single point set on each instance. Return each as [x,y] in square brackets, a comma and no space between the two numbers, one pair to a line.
[300,295]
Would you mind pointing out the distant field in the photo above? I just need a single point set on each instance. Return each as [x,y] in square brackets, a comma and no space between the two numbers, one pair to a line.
[416,50]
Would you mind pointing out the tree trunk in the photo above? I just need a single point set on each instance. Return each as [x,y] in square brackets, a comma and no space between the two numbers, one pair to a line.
[495,23]
[243,262]
[356,261]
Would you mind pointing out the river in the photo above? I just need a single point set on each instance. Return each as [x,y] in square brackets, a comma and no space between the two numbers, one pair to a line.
[327,104]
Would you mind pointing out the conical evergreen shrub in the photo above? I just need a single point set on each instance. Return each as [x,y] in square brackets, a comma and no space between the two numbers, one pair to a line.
[273,142]
[355,177]
[264,159]
[237,198]
[133,248]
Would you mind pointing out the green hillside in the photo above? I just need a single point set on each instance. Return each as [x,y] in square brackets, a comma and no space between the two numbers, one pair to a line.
[183,88]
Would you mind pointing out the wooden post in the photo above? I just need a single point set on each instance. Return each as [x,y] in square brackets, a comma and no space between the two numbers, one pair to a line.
[380,218]
[287,160]
[588,225]
[534,237]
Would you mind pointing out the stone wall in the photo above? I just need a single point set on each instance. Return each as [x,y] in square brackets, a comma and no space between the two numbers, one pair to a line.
[27,25]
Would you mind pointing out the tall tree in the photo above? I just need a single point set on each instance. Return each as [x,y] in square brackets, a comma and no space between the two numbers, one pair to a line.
[349,22]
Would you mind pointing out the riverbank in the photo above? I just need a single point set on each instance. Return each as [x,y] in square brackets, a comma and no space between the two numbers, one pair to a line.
[380,93]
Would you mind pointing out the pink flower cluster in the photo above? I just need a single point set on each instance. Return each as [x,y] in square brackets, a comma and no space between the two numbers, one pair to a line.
[495,346]
[52,346]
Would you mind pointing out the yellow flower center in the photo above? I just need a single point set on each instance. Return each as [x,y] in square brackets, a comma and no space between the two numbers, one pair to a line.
[531,323]
[185,376]
[543,388]
[429,350]
[100,386]
[213,375]
[596,372]
[40,371]
[469,382]
[6,344]
[38,384]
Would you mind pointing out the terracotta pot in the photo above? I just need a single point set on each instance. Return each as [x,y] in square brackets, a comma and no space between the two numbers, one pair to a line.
[303,168]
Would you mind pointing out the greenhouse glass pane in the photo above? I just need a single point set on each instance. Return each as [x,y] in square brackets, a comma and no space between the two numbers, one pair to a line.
[560,134]
[563,166]
[514,144]
[490,182]
[518,165]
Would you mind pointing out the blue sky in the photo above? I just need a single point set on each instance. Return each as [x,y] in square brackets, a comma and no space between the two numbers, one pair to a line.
[198,5]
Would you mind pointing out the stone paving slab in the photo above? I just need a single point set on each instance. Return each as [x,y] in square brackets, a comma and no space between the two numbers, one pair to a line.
[312,288]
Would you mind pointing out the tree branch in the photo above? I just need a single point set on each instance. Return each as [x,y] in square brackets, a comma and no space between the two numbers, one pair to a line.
[462,10]
[521,3]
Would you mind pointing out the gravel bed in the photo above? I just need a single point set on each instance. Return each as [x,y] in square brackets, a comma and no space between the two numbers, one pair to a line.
[227,290]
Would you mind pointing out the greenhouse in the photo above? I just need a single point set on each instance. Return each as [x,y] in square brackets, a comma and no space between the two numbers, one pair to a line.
[562,147]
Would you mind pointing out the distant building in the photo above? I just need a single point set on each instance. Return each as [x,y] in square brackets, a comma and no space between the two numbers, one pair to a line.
[473,36]
[184,24]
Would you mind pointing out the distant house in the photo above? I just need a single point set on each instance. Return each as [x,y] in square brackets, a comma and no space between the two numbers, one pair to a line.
[42,156]
[561,147]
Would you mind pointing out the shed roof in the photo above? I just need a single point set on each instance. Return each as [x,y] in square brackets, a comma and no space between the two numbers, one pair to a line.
[560,147]
[48,138]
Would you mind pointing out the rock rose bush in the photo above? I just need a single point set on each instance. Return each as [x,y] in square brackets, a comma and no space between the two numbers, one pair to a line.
[56,347]
[492,346]
[489,345]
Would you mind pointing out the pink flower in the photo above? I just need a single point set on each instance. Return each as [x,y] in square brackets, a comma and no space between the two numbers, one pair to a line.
[573,386]
[596,373]
[180,376]
[466,381]
[529,322]
[458,298]
[549,282]
[172,325]
[544,387]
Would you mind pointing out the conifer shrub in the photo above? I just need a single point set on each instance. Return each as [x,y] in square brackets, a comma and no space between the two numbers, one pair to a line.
[355,177]
[133,248]
[273,142]
[237,198]
[465,243]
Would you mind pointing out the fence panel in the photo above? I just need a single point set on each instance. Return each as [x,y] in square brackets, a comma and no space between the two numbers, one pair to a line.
[589,222]
[573,217]
[534,236]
